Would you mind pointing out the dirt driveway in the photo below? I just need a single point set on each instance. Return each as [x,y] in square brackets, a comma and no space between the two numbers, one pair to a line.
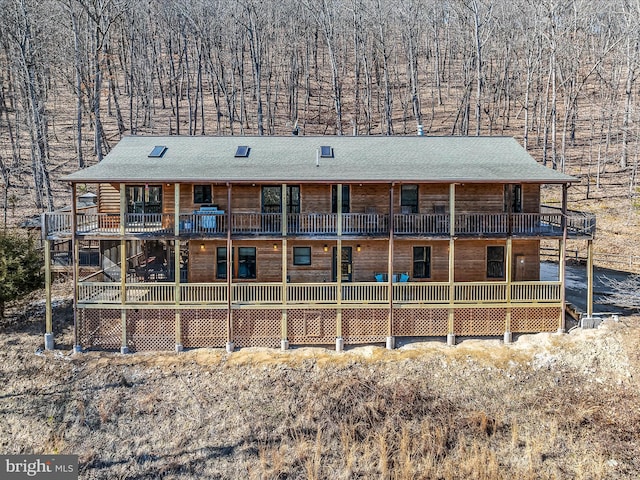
[577,286]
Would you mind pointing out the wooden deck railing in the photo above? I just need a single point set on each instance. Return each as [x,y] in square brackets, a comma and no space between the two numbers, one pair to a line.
[546,223]
[261,293]
[579,224]
[481,224]
[203,293]
[258,223]
[423,292]
[203,223]
[150,293]
[319,293]
[312,292]
[369,292]
[480,292]
[365,223]
[535,292]
[56,223]
[536,224]
[421,223]
[148,223]
[312,223]
[99,292]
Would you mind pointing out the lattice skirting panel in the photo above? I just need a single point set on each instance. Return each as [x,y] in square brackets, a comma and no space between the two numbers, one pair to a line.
[479,321]
[420,322]
[256,328]
[203,328]
[99,329]
[530,320]
[364,325]
[151,329]
[311,327]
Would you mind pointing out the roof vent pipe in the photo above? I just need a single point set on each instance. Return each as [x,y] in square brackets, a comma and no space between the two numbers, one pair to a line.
[420,130]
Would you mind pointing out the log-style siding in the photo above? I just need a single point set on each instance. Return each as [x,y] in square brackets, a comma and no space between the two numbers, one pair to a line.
[530,198]
[366,198]
[470,260]
[109,198]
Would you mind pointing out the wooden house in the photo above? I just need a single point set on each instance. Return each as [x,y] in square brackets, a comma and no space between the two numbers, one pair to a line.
[301,240]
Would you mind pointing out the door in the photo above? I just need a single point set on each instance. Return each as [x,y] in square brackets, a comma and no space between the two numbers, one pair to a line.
[272,206]
[144,198]
[346,265]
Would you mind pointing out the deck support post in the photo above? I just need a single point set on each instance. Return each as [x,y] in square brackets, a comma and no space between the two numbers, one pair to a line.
[451,336]
[76,269]
[508,274]
[590,278]
[48,317]
[124,348]
[176,265]
[339,339]
[390,344]
[229,346]
[176,294]
[284,342]
[562,262]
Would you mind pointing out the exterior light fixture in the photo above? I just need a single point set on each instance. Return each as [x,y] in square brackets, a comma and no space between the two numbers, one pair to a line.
[358,248]
[325,247]
[202,247]
[275,246]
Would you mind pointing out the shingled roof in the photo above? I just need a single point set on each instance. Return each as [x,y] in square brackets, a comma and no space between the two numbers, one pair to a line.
[366,159]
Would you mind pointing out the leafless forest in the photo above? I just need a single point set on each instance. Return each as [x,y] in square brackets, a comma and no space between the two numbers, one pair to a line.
[75,75]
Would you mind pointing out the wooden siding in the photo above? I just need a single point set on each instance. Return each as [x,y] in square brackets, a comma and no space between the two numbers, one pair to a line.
[109,198]
[483,198]
[530,198]
[470,260]
[218,198]
[168,198]
[315,198]
[320,268]
[370,199]
[403,259]
[528,251]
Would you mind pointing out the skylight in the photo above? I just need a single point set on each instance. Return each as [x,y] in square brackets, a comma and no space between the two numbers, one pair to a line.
[158,151]
[326,151]
[242,151]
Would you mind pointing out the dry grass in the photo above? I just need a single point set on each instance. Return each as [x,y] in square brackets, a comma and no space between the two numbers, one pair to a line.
[548,406]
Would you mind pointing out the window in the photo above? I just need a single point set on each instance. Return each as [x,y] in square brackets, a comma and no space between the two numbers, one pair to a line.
[246,262]
[345,199]
[495,262]
[513,193]
[272,199]
[302,255]
[242,151]
[326,151]
[421,262]
[409,198]
[221,263]
[202,194]
[144,198]
[158,151]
